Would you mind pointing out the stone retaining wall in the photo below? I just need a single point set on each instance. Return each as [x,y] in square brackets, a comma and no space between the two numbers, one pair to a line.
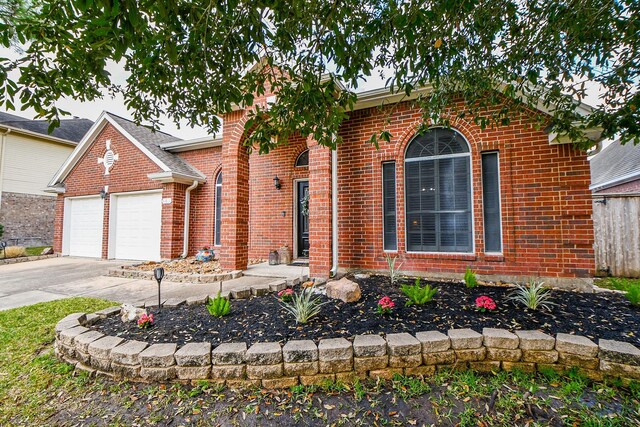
[26,259]
[271,365]
[175,277]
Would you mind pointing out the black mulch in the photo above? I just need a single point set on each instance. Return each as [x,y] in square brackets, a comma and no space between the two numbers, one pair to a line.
[604,315]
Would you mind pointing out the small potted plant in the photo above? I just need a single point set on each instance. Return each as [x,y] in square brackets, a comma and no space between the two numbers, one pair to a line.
[205,254]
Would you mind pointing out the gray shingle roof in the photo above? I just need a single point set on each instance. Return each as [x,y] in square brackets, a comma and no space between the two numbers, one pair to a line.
[70,129]
[151,140]
[614,163]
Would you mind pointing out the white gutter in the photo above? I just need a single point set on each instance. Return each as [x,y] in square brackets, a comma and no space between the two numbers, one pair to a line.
[2,154]
[334,210]
[187,208]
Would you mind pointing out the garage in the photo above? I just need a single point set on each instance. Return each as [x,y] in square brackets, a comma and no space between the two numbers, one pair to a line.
[83,220]
[135,226]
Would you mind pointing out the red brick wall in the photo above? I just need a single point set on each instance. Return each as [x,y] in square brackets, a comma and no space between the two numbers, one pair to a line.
[546,204]
[202,212]
[268,229]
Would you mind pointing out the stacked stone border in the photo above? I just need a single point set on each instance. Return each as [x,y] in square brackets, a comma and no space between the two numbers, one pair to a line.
[272,365]
[175,277]
[26,259]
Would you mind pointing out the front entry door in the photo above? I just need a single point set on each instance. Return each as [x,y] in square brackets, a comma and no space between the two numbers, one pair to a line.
[302,219]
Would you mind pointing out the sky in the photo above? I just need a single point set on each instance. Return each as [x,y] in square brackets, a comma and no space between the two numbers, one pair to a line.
[115,105]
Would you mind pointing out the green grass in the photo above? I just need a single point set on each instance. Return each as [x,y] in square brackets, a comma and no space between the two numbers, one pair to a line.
[617,283]
[30,375]
[35,250]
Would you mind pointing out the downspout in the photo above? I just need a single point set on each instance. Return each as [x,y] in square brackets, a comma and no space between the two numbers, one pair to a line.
[334,210]
[2,155]
[187,208]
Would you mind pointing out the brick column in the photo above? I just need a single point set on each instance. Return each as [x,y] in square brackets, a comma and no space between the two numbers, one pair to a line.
[235,194]
[319,210]
[58,224]
[172,221]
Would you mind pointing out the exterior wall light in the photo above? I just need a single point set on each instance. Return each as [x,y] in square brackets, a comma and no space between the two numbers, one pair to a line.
[276,182]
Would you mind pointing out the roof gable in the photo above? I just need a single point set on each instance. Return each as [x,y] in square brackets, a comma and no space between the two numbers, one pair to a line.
[615,165]
[69,130]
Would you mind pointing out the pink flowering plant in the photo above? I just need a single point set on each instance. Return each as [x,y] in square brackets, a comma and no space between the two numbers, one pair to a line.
[385,305]
[286,295]
[145,321]
[485,303]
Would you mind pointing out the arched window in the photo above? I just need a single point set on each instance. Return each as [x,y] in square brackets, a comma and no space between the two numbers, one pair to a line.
[438,192]
[303,159]
[218,210]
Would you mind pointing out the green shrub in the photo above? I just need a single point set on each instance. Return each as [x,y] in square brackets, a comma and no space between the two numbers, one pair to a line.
[533,296]
[633,294]
[218,306]
[470,278]
[304,305]
[417,294]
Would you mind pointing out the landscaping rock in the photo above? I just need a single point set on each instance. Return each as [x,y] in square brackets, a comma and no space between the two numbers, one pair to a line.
[365,364]
[535,340]
[576,344]
[47,251]
[500,338]
[344,290]
[264,353]
[403,344]
[125,371]
[302,368]
[297,351]
[408,360]
[110,311]
[278,285]
[284,382]
[241,293]
[67,336]
[533,356]
[369,346]
[228,371]
[519,366]
[82,341]
[174,302]
[471,354]
[196,300]
[508,355]
[464,339]
[259,372]
[102,347]
[158,374]
[485,366]
[318,379]
[194,354]
[619,352]
[439,358]
[259,291]
[420,371]
[433,341]
[130,313]
[577,360]
[620,369]
[335,349]
[193,372]
[337,365]
[128,353]
[229,354]
[91,319]
[158,355]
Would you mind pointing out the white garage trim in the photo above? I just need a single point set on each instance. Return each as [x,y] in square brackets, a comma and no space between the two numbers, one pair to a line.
[67,224]
[115,250]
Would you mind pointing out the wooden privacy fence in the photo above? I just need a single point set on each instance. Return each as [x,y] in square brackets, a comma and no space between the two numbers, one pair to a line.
[616,220]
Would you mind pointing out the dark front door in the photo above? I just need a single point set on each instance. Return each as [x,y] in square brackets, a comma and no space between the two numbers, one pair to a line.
[303,219]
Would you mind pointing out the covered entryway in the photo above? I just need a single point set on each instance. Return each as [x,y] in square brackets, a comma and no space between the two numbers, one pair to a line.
[82,231]
[135,226]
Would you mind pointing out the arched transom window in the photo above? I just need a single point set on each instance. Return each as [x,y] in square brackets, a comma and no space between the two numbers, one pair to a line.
[438,192]
[303,159]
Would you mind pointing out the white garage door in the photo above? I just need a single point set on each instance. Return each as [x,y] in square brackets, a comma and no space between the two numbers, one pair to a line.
[83,226]
[137,220]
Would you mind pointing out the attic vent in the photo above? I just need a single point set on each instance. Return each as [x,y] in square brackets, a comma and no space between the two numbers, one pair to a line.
[109,157]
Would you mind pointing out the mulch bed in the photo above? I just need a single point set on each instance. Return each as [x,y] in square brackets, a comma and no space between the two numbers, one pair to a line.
[188,265]
[259,319]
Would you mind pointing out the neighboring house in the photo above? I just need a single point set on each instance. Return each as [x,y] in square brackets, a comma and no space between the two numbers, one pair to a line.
[510,203]
[615,183]
[29,157]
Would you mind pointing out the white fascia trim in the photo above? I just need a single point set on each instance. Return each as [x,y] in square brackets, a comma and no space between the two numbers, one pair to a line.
[90,137]
[38,135]
[380,96]
[191,144]
[616,181]
[169,177]
[55,190]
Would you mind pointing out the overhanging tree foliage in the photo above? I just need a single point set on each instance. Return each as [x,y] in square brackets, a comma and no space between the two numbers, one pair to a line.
[189,59]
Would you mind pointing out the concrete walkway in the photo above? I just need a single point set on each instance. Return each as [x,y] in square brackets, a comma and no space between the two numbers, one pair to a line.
[57,278]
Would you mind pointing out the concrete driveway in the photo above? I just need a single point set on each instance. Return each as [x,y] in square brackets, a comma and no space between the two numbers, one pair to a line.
[57,278]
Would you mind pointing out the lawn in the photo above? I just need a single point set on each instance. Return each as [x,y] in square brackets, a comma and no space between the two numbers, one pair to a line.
[36,389]
[617,283]
[35,250]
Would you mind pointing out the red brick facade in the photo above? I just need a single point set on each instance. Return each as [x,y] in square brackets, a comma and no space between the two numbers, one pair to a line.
[545,201]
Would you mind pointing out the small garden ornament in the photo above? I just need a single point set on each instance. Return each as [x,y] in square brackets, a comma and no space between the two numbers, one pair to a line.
[205,254]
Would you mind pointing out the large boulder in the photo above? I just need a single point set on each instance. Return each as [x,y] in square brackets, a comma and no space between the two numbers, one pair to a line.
[344,289]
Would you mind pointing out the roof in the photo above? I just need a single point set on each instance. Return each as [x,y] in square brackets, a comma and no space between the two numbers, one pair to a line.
[172,167]
[615,165]
[70,129]
[152,140]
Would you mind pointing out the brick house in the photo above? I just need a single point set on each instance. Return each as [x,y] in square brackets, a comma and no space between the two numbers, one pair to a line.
[29,156]
[510,202]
